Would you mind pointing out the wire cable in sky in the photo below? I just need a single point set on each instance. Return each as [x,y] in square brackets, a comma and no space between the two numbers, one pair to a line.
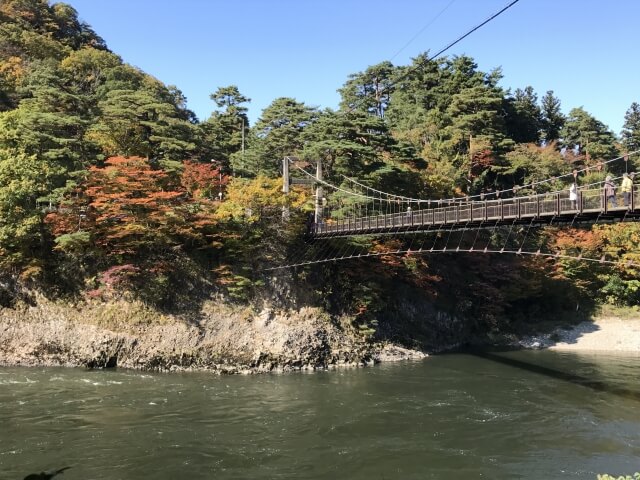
[459,39]
[440,52]
[423,29]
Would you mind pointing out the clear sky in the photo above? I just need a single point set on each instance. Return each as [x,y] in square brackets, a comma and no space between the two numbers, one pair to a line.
[586,51]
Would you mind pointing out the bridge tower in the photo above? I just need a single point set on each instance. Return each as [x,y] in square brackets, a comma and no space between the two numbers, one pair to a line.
[287,181]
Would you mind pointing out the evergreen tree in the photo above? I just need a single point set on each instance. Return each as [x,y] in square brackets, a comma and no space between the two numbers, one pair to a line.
[226,131]
[631,129]
[277,133]
[350,143]
[523,116]
[552,118]
[369,91]
[588,136]
[150,121]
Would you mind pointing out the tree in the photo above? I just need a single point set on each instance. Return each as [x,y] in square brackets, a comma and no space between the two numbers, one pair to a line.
[277,133]
[50,124]
[150,121]
[369,91]
[131,209]
[349,143]
[23,179]
[529,163]
[476,134]
[85,70]
[524,117]
[552,118]
[631,129]
[588,136]
[226,131]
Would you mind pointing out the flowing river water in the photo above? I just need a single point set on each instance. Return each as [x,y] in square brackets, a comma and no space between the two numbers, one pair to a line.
[508,415]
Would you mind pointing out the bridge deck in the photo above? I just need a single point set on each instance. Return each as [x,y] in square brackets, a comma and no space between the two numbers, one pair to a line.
[535,209]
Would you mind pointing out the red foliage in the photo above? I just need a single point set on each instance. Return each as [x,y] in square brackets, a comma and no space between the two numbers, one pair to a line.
[203,180]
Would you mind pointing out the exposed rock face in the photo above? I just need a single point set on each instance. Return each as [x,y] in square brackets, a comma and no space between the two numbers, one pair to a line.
[221,339]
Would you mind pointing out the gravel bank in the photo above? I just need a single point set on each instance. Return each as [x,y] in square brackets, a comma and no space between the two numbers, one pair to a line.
[605,334]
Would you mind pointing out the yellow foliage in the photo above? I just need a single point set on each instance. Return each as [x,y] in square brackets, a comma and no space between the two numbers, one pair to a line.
[12,69]
[248,199]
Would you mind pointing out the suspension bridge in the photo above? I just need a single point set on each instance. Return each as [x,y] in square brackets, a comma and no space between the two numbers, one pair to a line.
[353,209]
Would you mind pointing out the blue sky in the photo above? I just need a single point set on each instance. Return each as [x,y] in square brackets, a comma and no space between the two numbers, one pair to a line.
[586,51]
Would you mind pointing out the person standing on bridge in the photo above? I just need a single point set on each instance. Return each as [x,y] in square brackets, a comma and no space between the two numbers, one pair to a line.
[573,195]
[610,192]
[626,188]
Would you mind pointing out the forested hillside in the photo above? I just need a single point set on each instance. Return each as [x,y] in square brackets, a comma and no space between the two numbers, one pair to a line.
[110,186]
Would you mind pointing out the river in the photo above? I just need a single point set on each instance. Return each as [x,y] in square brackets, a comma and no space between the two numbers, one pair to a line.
[508,415]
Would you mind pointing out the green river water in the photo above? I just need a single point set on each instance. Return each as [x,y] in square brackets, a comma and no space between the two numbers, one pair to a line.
[510,415]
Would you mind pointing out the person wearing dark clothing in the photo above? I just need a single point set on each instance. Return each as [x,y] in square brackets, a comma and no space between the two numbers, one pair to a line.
[610,192]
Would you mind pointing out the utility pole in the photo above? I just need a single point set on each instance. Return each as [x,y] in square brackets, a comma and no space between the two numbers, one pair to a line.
[318,210]
[242,139]
[285,187]
[285,175]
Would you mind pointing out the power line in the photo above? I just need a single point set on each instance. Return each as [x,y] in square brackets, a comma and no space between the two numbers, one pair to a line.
[423,29]
[459,39]
[440,52]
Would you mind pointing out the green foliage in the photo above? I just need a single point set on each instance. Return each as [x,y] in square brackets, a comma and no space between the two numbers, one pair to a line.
[524,116]
[225,132]
[588,136]
[74,241]
[369,91]
[131,181]
[552,120]
[23,179]
[277,133]
[631,129]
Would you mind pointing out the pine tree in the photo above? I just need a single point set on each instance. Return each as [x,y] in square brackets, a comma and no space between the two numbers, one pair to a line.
[552,118]
[369,91]
[631,129]
[225,132]
[524,117]
[277,133]
[588,136]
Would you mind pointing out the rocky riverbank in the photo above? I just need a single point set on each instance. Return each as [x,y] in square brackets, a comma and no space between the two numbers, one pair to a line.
[219,338]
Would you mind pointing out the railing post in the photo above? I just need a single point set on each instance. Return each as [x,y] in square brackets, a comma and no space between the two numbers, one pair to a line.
[580,203]
[458,213]
[519,212]
[501,209]
[486,211]
[445,215]
[605,205]
[557,204]
[537,206]
[471,212]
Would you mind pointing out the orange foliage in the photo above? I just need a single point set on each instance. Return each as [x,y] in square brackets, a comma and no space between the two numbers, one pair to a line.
[128,205]
[203,180]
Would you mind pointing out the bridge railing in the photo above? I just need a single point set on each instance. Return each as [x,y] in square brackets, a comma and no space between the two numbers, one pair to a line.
[547,205]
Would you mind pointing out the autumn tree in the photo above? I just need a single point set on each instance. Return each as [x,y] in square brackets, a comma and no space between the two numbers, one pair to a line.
[129,208]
